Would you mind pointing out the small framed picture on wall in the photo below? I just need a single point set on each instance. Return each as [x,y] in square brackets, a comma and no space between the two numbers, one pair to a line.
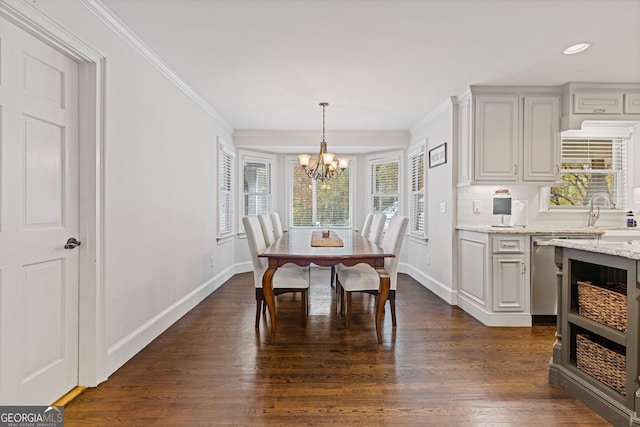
[438,155]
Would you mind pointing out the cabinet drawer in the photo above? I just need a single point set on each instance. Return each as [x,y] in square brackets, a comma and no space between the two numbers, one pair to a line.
[632,103]
[508,245]
[597,103]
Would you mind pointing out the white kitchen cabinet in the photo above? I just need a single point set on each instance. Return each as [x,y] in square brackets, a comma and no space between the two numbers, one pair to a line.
[496,137]
[632,103]
[473,252]
[508,135]
[463,117]
[508,282]
[509,273]
[541,138]
[599,102]
[493,277]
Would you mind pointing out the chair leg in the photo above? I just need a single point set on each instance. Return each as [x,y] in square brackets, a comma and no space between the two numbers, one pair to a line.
[333,275]
[392,303]
[304,308]
[258,307]
[340,297]
[348,319]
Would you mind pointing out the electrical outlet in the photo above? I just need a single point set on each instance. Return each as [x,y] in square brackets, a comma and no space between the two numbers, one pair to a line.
[428,259]
[476,206]
[443,207]
[211,261]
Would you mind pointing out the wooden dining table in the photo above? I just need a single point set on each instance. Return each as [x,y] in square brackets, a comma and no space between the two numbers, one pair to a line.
[295,247]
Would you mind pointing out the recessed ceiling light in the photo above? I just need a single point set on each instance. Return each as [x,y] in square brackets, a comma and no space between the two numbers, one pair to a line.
[576,48]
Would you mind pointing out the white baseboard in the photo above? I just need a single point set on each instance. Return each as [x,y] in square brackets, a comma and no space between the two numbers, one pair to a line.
[243,267]
[440,289]
[122,351]
[493,319]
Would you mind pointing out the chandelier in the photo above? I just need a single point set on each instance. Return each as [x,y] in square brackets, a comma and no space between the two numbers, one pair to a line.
[324,167]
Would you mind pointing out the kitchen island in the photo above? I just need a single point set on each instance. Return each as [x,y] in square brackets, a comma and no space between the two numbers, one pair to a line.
[595,356]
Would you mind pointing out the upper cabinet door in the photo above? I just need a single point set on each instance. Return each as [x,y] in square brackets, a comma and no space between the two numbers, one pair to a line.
[632,103]
[496,138]
[541,138]
[465,150]
[597,103]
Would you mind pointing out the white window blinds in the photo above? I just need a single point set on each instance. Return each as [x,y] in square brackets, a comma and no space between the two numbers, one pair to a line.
[417,188]
[224,196]
[324,204]
[589,167]
[385,185]
[257,187]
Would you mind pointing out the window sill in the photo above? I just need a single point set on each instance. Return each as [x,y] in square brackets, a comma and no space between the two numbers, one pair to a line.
[419,239]
[225,239]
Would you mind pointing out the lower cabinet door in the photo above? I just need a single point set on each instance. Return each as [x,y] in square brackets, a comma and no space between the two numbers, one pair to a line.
[508,283]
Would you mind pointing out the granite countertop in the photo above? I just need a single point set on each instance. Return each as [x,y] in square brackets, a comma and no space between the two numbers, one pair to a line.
[531,229]
[609,247]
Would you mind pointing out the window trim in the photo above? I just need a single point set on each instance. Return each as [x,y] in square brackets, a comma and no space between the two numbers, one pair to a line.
[258,157]
[386,157]
[417,151]
[293,161]
[225,150]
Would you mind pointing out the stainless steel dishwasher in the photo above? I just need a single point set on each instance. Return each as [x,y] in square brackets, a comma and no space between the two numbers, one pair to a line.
[544,290]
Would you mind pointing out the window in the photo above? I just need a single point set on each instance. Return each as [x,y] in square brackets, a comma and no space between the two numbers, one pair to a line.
[256,178]
[385,187]
[417,188]
[225,199]
[316,203]
[589,167]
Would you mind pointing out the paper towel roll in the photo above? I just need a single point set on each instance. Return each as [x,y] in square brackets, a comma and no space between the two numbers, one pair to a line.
[518,213]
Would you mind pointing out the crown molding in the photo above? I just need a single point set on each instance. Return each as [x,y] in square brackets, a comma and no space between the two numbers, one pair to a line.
[350,134]
[424,122]
[35,22]
[119,28]
[291,141]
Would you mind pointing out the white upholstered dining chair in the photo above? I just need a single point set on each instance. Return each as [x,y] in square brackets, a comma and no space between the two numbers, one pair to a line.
[364,278]
[277,225]
[377,227]
[267,228]
[286,279]
[366,227]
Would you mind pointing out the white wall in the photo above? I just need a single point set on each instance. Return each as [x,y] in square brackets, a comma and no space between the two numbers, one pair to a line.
[160,214]
[431,262]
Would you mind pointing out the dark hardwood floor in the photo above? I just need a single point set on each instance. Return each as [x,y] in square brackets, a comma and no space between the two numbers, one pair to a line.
[440,367]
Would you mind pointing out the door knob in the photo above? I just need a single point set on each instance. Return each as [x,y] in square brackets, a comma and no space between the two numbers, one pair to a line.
[72,243]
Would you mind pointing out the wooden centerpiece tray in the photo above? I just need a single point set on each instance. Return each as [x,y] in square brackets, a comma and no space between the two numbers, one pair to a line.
[321,238]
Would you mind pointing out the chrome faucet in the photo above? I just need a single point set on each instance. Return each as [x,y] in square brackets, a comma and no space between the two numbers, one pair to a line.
[594,215]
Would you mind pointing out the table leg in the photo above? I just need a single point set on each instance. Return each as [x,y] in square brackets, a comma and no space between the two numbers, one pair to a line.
[267,290]
[385,284]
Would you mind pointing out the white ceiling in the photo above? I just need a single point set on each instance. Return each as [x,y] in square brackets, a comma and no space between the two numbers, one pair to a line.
[381,64]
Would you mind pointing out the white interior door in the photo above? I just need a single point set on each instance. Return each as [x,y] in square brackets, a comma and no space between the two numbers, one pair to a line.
[38,213]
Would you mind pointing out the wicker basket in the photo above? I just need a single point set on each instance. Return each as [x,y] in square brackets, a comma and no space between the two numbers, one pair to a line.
[605,304]
[607,366]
